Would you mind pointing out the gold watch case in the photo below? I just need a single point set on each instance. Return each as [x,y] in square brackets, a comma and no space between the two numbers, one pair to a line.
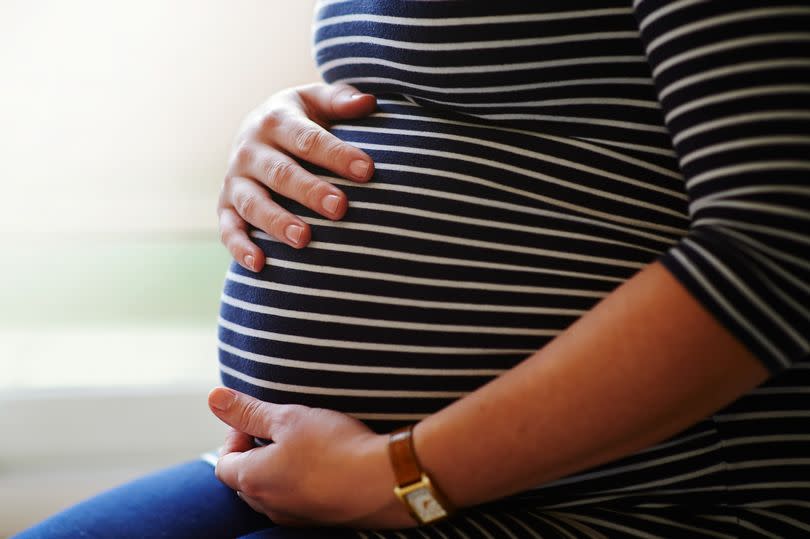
[422,501]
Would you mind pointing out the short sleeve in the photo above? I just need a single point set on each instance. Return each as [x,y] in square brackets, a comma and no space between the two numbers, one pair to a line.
[733,80]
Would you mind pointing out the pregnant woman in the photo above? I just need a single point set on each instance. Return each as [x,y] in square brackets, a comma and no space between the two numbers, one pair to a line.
[560,248]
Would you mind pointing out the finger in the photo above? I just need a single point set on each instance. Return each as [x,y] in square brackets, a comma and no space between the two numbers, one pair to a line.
[234,469]
[286,177]
[290,521]
[250,472]
[236,441]
[278,517]
[305,139]
[252,416]
[329,102]
[253,503]
[233,234]
[253,204]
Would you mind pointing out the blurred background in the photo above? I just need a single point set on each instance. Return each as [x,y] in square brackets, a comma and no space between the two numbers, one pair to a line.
[116,120]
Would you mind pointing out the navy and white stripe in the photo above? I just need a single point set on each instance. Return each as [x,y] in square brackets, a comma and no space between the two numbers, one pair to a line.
[529,158]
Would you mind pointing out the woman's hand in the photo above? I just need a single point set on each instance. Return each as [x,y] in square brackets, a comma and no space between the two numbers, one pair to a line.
[324,467]
[290,125]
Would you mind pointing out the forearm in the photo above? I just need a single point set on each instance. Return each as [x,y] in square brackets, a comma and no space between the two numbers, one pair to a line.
[644,364]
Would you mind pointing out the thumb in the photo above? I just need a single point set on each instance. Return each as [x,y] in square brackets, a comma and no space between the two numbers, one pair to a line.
[337,101]
[242,412]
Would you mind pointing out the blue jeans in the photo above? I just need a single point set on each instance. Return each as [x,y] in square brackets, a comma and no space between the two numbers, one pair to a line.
[186,500]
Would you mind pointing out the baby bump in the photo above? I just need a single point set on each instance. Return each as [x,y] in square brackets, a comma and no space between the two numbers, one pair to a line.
[471,248]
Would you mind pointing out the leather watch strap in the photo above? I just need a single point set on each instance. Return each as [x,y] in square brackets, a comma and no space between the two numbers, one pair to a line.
[403,456]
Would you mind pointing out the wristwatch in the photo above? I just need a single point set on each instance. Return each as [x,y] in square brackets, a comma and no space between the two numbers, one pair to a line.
[414,488]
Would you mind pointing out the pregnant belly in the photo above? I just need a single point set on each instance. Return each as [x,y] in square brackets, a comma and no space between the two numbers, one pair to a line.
[472,247]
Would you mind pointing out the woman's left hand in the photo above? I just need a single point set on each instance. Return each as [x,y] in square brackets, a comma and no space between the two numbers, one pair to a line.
[324,467]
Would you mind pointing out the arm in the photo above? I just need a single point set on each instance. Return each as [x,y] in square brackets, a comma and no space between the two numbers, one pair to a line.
[644,364]
[706,323]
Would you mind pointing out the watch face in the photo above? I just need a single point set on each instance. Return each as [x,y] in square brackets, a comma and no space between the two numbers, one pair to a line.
[425,505]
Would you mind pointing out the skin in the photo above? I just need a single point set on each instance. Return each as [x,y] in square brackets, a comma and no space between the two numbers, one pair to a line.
[645,363]
[289,126]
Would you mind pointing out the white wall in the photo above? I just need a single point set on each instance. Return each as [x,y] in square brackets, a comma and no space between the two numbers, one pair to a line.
[116,121]
[127,109]
[59,448]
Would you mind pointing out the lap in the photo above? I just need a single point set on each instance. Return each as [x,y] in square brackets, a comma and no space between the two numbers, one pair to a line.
[186,500]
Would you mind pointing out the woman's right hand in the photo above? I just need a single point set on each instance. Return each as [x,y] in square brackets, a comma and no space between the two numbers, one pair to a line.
[289,126]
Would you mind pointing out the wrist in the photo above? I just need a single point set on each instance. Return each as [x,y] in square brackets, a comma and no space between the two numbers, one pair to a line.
[415,487]
[436,462]
[380,479]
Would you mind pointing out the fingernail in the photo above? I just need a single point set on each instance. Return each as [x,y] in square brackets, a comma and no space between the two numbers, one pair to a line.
[293,233]
[330,203]
[359,169]
[222,398]
[249,262]
[351,98]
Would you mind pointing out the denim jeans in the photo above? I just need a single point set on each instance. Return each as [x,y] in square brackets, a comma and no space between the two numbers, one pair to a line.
[186,500]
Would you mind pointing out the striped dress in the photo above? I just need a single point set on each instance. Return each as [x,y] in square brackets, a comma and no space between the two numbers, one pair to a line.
[530,157]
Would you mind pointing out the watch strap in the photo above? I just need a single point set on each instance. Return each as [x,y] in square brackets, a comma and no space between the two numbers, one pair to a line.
[403,456]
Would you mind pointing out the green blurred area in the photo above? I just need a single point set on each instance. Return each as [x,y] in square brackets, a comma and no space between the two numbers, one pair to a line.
[121,282]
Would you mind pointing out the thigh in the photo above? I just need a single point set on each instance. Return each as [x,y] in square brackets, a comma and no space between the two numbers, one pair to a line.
[280,532]
[186,500]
